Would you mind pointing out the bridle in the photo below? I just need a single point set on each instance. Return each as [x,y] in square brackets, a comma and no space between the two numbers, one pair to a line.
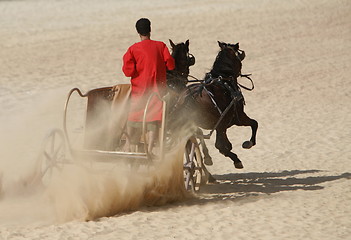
[239,54]
[190,59]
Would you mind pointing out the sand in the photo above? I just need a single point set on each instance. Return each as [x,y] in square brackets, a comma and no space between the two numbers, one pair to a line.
[296,181]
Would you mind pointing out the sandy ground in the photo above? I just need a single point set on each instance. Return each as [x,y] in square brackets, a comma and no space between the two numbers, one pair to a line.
[296,180]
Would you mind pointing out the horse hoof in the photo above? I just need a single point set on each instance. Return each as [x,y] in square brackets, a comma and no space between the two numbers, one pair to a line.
[247,144]
[208,161]
[238,165]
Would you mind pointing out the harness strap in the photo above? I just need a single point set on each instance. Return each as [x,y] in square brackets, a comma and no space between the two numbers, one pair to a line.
[236,96]
[222,116]
[213,101]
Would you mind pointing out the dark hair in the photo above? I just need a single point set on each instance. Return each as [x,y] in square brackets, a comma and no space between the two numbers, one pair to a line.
[143,26]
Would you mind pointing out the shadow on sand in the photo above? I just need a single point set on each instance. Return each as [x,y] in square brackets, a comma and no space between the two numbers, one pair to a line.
[239,185]
[254,186]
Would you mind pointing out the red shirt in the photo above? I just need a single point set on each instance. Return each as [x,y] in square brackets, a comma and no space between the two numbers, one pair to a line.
[146,63]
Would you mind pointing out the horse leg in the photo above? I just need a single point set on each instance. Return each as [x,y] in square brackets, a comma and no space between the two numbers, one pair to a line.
[224,146]
[244,120]
[207,158]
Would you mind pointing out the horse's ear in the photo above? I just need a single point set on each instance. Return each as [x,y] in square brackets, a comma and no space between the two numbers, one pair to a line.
[172,44]
[221,45]
[187,43]
[237,46]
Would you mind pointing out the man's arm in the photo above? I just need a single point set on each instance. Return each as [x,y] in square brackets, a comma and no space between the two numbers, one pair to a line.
[169,60]
[128,64]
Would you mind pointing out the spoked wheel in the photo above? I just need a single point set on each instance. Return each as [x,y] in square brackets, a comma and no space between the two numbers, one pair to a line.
[192,167]
[53,154]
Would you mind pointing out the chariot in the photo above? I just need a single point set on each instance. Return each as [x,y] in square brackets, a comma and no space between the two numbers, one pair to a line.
[104,134]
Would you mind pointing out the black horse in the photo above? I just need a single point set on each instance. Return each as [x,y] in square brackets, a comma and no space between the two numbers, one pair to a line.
[216,103]
[177,79]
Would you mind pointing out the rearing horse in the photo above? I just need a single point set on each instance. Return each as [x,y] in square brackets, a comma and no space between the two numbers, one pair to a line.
[217,102]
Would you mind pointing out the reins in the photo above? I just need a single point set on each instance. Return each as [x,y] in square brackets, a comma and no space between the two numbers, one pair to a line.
[248,77]
[196,80]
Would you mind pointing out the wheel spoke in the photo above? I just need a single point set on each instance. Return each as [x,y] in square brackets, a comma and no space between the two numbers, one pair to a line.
[192,165]
[52,142]
[187,157]
[191,155]
[57,151]
[53,154]
[48,157]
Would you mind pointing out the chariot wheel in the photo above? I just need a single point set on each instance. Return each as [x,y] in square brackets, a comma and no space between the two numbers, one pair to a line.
[192,165]
[52,155]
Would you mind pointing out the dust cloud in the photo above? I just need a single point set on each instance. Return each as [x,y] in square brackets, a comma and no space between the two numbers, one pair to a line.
[82,189]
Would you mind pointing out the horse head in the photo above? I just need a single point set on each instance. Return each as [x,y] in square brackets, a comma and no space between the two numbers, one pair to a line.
[178,78]
[234,48]
[180,52]
[228,61]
